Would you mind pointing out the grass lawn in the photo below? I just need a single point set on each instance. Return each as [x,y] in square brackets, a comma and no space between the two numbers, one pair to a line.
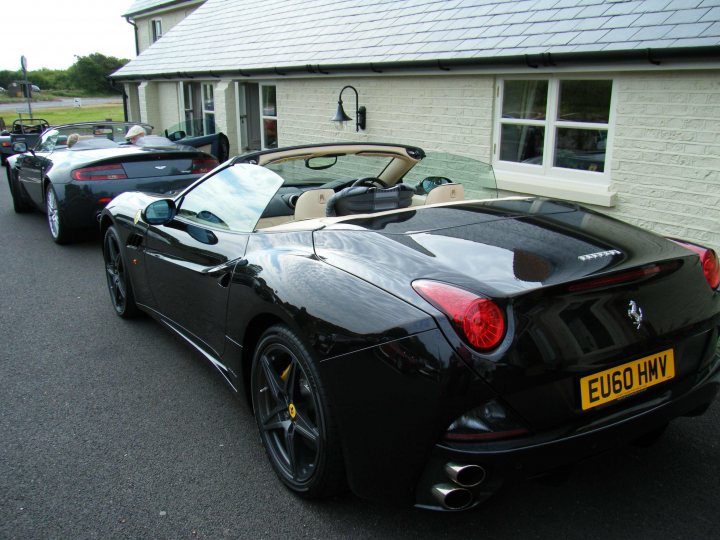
[69,115]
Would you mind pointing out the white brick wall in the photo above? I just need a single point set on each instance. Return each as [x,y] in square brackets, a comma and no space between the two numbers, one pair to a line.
[449,113]
[666,162]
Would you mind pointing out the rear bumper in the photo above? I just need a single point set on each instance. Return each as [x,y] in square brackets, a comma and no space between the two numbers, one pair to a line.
[543,453]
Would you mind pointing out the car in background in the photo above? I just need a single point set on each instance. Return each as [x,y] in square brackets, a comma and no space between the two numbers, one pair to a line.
[413,344]
[74,170]
[27,130]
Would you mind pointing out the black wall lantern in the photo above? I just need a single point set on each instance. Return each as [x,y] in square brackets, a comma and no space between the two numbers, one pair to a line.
[341,116]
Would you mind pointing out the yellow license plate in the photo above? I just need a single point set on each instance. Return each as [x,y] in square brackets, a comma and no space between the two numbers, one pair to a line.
[626,379]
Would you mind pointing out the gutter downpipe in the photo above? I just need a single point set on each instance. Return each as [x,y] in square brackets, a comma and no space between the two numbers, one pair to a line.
[137,53]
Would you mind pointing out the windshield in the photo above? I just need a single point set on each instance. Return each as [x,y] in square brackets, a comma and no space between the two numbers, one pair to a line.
[476,177]
[328,168]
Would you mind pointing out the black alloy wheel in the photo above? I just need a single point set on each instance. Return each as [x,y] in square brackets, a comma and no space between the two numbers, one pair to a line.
[293,417]
[121,293]
[20,204]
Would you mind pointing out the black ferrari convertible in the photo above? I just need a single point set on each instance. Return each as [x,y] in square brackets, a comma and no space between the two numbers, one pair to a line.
[74,170]
[400,330]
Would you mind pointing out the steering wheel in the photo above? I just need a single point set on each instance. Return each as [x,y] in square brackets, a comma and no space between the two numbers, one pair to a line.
[370,181]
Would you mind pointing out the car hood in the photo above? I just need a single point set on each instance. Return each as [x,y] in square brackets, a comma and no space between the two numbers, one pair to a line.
[500,247]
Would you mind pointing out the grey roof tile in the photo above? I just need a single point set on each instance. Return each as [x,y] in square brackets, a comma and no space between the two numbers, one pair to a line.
[652,32]
[651,19]
[232,34]
[712,15]
[623,8]
[592,23]
[589,37]
[711,31]
[697,42]
[543,15]
[652,5]
[593,11]
[620,34]
[683,4]
[621,21]
[687,30]
[687,16]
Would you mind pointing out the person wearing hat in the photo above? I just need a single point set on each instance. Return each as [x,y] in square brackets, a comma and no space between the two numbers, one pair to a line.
[135,133]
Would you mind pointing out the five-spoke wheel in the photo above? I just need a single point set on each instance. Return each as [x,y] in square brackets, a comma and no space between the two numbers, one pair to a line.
[121,293]
[293,417]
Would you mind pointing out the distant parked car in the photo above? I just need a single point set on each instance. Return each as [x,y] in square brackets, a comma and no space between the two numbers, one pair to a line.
[76,169]
[25,130]
[35,88]
[2,90]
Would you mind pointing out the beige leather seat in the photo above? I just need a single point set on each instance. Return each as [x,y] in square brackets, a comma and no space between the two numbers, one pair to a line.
[445,193]
[311,203]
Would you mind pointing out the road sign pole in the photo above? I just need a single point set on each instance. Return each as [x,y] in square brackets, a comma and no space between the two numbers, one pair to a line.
[28,89]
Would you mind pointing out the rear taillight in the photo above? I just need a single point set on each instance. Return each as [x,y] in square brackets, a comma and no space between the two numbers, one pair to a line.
[100,172]
[478,320]
[202,166]
[708,261]
[6,144]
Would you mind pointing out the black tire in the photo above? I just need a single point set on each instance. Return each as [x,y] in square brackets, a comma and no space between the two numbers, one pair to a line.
[292,413]
[59,231]
[20,204]
[118,281]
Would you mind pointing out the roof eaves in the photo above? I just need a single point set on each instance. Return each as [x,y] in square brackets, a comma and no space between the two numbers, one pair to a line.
[531,57]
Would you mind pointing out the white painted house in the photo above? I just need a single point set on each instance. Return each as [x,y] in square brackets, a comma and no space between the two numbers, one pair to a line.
[615,104]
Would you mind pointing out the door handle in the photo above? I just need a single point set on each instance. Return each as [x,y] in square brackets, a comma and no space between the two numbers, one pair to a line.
[225,268]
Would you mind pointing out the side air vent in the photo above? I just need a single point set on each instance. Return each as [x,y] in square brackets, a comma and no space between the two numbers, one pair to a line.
[134,240]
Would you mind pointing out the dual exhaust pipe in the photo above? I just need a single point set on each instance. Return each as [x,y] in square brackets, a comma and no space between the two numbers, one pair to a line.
[457,496]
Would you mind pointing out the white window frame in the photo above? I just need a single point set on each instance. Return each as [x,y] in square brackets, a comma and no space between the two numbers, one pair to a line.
[204,87]
[263,116]
[154,36]
[546,179]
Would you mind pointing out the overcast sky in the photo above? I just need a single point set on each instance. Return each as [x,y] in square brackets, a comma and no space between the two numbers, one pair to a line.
[51,32]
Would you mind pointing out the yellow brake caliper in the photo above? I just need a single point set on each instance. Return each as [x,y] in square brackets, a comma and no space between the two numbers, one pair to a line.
[291,408]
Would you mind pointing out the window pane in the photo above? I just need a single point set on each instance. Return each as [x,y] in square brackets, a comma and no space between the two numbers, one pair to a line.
[270,133]
[232,199]
[208,98]
[522,144]
[268,100]
[209,123]
[525,99]
[582,149]
[585,101]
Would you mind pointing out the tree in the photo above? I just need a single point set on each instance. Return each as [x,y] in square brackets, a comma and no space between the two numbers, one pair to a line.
[88,73]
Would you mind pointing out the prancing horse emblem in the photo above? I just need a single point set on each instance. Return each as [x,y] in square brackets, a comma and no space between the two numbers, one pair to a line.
[635,313]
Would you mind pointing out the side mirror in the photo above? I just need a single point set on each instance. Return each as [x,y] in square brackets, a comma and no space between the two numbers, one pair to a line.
[159,212]
[177,135]
[19,147]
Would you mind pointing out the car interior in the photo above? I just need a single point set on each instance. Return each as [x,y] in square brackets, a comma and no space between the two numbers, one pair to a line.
[329,182]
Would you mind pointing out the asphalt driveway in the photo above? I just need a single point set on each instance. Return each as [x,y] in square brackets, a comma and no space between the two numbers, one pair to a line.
[115,429]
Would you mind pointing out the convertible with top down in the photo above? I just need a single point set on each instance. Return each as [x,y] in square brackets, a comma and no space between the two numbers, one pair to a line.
[400,330]
[72,171]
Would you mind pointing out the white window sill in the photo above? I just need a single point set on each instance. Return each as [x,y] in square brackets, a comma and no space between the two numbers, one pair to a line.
[558,188]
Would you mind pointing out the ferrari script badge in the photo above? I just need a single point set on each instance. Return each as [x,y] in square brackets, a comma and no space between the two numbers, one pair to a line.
[635,313]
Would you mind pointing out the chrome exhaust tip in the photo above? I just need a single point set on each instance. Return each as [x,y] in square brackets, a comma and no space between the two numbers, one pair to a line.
[452,497]
[467,476]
